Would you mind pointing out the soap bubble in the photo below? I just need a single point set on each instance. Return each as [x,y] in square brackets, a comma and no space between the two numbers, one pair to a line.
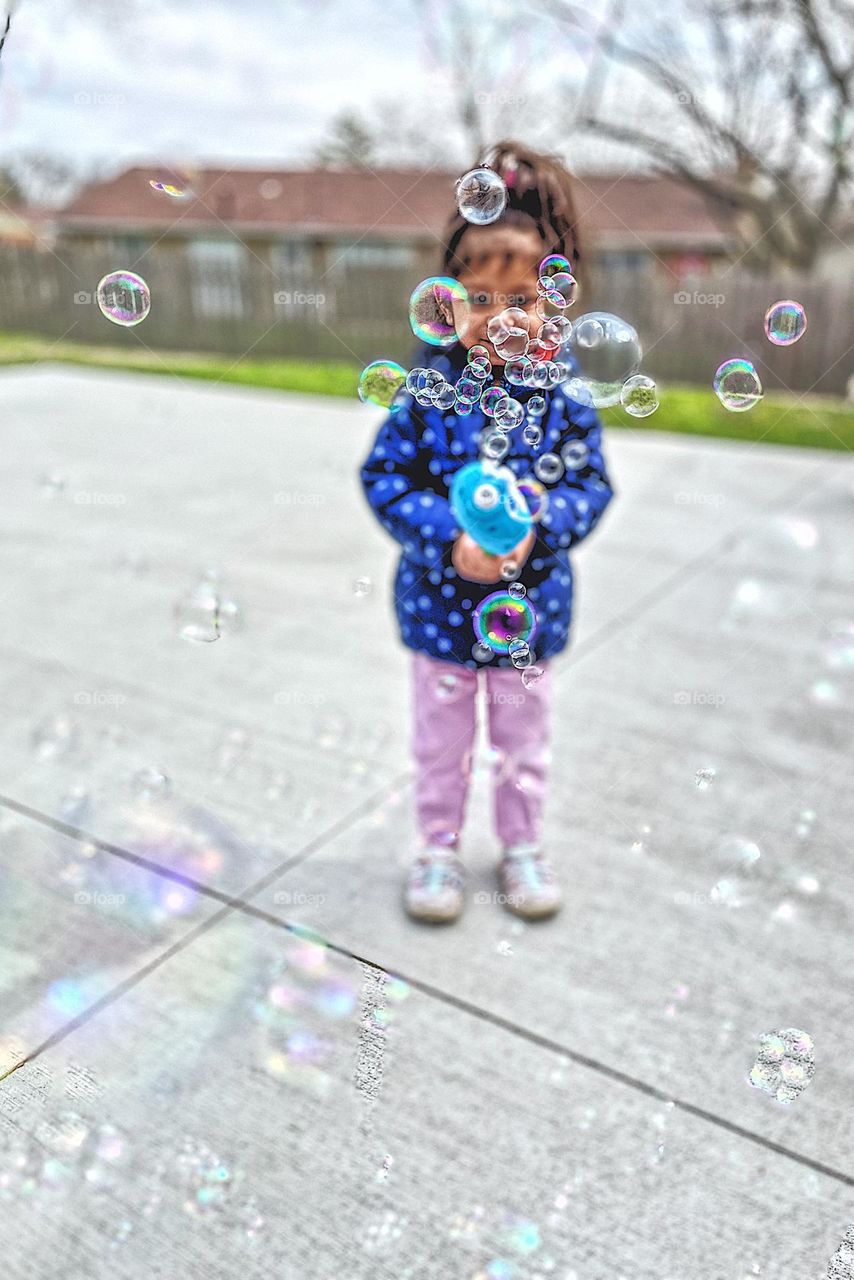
[639,396]
[204,614]
[176,183]
[785,323]
[124,298]
[495,445]
[478,353]
[512,344]
[480,370]
[532,676]
[578,390]
[517,590]
[737,385]
[606,351]
[491,399]
[517,370]
[150,784]
[509,571]
[554,264]
[481,196]
[575,455]
[413,382]
[438,308]
[509,414]
[532,434]
[552,335]
[548,468]
[444,396]
[380,383]
[536,496]
[500,619]
[561,289]
[468,389]
[785,1064]
[519,654]
[537,405]
[481,652]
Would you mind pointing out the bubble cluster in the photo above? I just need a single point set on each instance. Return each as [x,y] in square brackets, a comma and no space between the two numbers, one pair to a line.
[124,298]
[481,196]
[639,396]
[737,385]
[501,619]
[380,382]
[438,308]
[606,351]
[785,323]
[65,1148]
[785,1064]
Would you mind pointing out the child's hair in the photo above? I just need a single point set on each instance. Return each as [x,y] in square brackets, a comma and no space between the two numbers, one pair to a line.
[539,194]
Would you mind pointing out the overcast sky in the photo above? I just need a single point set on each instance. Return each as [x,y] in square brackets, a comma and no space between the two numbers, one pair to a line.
[233,80]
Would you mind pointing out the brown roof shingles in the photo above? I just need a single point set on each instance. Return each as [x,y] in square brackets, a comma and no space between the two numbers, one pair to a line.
[389,202]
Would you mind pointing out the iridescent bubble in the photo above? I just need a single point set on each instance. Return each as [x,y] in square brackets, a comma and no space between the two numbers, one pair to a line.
[548,468]
[512,344]
[124,298]
[537,351]
[520,654]
[554,264]
[478,353]
[491,399]
[550,335]
[413,382]
[606,351]
[532,434]
[575,455]
[480,369]
[737,385]
[176,183]
[464,408]
[509,414]
[500,619]
[481,196]
[639,396]
[785,323]
[785,1064]
[537,405]
[438,308]
[380,382]
[468,389]
[536,496]
[517,590]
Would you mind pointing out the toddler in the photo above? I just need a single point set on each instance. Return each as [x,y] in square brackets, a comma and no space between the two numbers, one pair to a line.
[443,574]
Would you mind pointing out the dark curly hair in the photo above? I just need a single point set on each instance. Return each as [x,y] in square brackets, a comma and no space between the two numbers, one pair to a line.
[539,194]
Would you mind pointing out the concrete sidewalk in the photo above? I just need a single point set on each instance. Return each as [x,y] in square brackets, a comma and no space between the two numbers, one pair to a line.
[211,1093]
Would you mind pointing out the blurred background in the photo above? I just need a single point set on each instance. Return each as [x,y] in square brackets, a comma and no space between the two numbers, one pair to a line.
[306,155]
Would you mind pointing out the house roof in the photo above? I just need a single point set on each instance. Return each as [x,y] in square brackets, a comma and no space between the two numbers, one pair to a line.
[625,210]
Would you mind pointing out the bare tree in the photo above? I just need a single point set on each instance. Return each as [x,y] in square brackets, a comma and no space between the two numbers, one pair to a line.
[350,143]
[749,102]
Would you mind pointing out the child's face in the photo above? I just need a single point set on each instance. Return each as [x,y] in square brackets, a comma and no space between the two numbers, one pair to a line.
[500,271]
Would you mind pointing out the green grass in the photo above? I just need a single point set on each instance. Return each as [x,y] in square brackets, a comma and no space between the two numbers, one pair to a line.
[816,421]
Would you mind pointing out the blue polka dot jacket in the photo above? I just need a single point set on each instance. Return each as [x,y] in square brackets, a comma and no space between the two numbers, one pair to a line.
[406,478]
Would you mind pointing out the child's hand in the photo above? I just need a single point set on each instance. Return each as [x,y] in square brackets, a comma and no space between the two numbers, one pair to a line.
[476,565]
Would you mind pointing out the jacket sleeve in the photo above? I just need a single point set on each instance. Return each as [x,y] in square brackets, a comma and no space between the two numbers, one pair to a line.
[398,486]
[577,501]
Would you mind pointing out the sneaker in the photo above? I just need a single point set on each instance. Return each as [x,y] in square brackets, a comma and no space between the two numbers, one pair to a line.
[434,886]
[529,883]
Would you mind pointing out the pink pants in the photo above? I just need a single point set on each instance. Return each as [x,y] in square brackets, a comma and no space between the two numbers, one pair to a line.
[443,745]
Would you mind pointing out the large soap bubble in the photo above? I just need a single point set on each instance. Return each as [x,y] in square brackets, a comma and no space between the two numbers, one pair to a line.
[438,308]
[606,351]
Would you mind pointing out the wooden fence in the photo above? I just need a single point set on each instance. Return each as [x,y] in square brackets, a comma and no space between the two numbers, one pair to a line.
[352,312]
